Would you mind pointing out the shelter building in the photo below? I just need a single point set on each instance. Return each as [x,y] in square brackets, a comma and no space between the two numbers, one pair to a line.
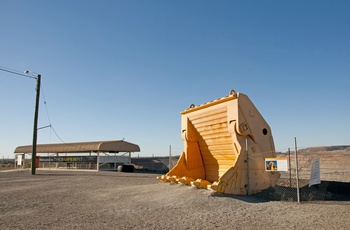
[83,155]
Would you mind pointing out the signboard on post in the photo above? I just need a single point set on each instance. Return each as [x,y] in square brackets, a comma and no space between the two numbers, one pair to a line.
[315,177]
[276,164]
[72,159]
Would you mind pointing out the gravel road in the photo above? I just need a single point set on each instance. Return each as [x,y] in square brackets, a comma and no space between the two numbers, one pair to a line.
[114,200]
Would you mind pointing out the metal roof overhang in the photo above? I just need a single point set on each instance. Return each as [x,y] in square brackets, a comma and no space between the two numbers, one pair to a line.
[82,147]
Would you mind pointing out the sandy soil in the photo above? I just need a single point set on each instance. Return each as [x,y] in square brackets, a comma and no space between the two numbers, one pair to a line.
[114,200]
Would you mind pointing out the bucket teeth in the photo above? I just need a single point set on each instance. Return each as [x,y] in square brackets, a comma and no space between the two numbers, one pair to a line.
[213,186]
[172,179]
[185,180]
[163,178]
[199,183]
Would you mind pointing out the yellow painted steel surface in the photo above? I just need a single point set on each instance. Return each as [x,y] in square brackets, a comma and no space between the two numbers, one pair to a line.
[215,136]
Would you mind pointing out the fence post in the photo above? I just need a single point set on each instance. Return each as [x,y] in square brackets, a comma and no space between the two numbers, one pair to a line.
[170,165]
[296,168]
[290,169]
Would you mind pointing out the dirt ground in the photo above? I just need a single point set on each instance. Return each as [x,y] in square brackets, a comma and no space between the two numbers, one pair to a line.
[114,200]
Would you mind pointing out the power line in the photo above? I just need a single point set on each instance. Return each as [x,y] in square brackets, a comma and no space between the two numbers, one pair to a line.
[47,112]
[8,70]
[15,72]
[57,134]
[48,116]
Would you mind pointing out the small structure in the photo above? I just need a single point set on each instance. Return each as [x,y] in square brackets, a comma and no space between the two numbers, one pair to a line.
[79,154]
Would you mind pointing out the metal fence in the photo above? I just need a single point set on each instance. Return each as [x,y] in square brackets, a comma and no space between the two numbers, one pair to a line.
[334,173]
[293,185]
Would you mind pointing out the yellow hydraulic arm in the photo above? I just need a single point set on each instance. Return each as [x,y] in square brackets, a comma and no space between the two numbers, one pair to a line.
[226,142]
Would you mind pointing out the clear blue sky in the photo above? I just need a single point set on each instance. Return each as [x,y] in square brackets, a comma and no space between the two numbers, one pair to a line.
[126,69]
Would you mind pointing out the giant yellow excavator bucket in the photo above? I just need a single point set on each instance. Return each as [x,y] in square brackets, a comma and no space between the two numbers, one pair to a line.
[226,142]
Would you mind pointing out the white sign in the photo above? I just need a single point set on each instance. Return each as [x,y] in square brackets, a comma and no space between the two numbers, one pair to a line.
[19,159]
[315,177]
[276,164]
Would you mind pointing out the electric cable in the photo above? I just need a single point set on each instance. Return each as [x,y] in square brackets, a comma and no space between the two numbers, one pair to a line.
[16,72]
[48,116]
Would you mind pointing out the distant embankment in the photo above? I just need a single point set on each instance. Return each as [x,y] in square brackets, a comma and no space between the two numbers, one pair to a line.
[334,162]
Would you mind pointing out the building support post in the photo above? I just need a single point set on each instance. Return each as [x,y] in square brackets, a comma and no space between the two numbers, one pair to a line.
[98,161]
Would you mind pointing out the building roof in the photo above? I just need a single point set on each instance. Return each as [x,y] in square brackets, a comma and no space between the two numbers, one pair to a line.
[82,147]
